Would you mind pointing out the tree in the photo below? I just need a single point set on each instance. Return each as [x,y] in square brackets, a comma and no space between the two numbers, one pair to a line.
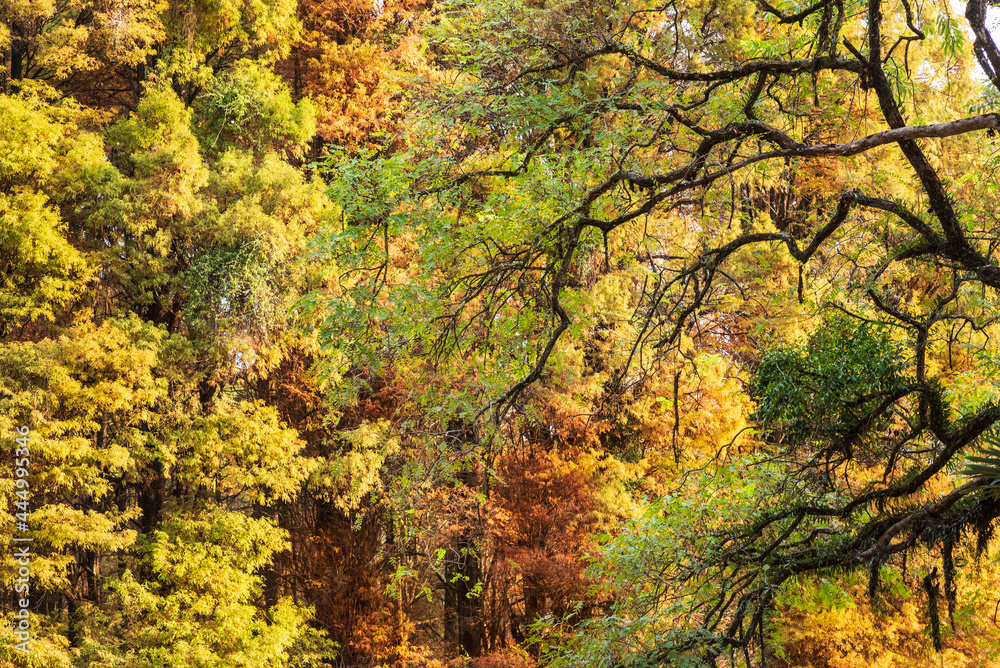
[148,277]
[46,148]
[726,162]
[199,611]
[96,51]
[350,60]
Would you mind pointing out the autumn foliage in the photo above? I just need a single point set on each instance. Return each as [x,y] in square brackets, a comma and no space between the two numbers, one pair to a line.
[399,333]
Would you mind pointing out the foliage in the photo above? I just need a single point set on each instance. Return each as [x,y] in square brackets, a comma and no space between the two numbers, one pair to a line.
[601,199]
[501,333]
[145,292]
[350,60]
[249,108]
[200,610]
[829,389]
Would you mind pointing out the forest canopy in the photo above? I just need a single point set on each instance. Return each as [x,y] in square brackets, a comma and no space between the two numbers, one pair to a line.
[507,333]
